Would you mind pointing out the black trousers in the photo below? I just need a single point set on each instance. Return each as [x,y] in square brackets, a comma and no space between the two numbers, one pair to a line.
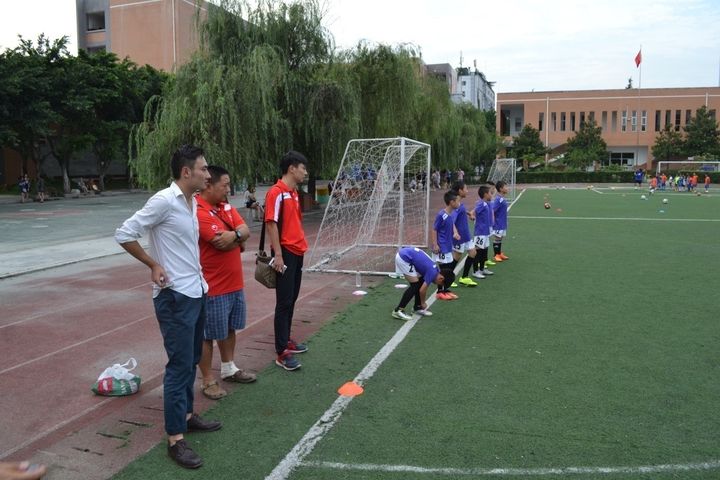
[287,290]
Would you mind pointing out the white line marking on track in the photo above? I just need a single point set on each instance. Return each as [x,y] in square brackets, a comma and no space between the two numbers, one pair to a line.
[598,191]
[528,472]
[634,219]
[327,421]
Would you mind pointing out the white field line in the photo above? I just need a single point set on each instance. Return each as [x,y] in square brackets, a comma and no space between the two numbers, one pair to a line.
[633,219]
[527,472]
[327,421]
[598,191]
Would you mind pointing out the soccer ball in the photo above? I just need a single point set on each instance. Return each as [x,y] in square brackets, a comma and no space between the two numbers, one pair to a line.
[547,206]
[643,197]
[665,200]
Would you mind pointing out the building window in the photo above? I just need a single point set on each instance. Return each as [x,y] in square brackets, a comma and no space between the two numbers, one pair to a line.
[657,120]
[96,49]
[553,119]
[562,121]
[463,83]
[712,113]
[624,159]
[668,119]
[591,116]
[518,124]
[677,120]
[623,123]
[634,121]
[688,116]
[95,21]
[614,122]
[603,119]
[541,117]
[582,119]
[643,121]
[572,121]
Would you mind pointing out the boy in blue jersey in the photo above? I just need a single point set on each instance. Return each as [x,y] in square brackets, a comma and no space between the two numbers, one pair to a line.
[483,222]
[499,229]
[444,233]
[418,269]
[465,242]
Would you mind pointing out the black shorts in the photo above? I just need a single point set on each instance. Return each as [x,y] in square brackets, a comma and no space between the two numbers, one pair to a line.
[250,203]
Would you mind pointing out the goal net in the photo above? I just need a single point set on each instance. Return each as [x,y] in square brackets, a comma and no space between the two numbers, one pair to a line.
[687,166]
[379,202]
[504,169]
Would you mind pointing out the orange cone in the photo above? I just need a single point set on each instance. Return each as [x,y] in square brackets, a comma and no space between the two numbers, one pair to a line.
[350,389]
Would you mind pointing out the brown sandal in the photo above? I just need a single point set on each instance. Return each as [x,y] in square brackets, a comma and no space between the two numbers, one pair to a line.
[213,391]
[241,376]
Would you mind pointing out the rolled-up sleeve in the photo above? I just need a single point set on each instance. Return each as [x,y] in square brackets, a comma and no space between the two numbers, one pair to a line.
[154,212]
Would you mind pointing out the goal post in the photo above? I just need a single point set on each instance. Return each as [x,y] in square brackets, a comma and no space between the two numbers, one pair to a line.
[379,201]
[688,166]
[504,169]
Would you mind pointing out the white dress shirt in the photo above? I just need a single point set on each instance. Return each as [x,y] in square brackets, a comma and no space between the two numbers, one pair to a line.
[173,237]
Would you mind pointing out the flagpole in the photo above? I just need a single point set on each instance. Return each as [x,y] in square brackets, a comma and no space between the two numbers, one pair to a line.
[638,116]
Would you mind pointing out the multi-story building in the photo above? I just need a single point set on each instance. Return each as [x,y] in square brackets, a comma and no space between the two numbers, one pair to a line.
[473,87]
[630,119]
[160,33]
[444,71]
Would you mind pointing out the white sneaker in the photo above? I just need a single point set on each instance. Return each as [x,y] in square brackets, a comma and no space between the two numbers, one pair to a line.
[400,315]
[478,274]
[423,312]
[487,272]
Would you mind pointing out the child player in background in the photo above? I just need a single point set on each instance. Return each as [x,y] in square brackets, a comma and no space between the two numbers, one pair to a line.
[443,234]
[465,243]
[499,229]
[418,269]
[483,221]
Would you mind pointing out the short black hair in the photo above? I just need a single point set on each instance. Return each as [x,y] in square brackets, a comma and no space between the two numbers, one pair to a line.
[458,185]
[292,158]
[449,196]
[184,156]
[500,184]
[216,172]
[483,190]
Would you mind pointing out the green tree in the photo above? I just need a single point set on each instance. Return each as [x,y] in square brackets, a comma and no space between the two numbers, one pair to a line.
[668,143]
[527,145]
[586,147]
[702,135]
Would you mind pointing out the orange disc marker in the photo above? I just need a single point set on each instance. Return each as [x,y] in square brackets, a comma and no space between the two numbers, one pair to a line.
[350,389]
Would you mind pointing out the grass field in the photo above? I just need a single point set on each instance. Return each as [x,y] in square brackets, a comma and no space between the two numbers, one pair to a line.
[592,353]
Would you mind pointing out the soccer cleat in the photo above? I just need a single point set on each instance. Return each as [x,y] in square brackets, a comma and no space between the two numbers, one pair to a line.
[490,262]
[400,315]
[468,282]
[287,361]
[442,296]
[453,285]
[487,272]
[423,312]
[478,274]
[294,347]
[503,256]
[498,258]
[451,295]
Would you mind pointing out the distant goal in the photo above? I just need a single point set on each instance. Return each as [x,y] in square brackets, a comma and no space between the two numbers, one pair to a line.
[504,169]
[687,166]
[379,201]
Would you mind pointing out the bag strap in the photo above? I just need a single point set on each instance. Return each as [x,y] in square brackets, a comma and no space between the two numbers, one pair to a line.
[279,226]
[127,364]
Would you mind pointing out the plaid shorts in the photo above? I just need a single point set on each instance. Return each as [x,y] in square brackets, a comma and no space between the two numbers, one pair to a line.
[224,312]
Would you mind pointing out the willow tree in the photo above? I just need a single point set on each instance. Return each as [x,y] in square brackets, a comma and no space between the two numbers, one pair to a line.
[262,82]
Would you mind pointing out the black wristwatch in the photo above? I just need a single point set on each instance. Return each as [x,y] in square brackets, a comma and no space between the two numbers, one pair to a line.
[238,236]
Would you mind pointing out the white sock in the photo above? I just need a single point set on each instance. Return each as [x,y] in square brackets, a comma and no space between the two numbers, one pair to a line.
[228,369]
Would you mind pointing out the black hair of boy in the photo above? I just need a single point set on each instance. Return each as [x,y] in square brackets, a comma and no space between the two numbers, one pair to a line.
[483,190]
[458,185]
[449,196]
[216,172]
[184,156]
[291,158]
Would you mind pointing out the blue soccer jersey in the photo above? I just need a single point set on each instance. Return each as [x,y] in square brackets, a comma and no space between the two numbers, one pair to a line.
[424,266]
[443,225]
[483,218]
[462,225]
[499,206]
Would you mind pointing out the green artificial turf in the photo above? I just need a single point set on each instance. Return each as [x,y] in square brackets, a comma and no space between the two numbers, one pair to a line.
[595,345]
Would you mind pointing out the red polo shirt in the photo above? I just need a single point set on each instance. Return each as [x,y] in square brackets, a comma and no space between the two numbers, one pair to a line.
[222,269]
[292,235]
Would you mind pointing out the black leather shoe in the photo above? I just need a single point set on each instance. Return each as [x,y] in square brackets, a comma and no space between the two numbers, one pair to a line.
[184,455]
[197,424]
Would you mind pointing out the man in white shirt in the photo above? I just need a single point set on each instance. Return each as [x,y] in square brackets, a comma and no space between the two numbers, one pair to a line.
[170,219]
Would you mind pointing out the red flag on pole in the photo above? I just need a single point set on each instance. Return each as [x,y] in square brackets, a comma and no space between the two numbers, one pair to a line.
[638,58]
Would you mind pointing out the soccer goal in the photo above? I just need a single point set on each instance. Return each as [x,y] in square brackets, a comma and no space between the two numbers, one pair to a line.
[379,201]
[688,166]
[504,169]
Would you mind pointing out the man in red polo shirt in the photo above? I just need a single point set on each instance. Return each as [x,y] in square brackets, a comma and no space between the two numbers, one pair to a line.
[283,221]
[222,233]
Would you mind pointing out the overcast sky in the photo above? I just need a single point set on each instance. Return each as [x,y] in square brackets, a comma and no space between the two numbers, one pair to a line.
[522,45]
